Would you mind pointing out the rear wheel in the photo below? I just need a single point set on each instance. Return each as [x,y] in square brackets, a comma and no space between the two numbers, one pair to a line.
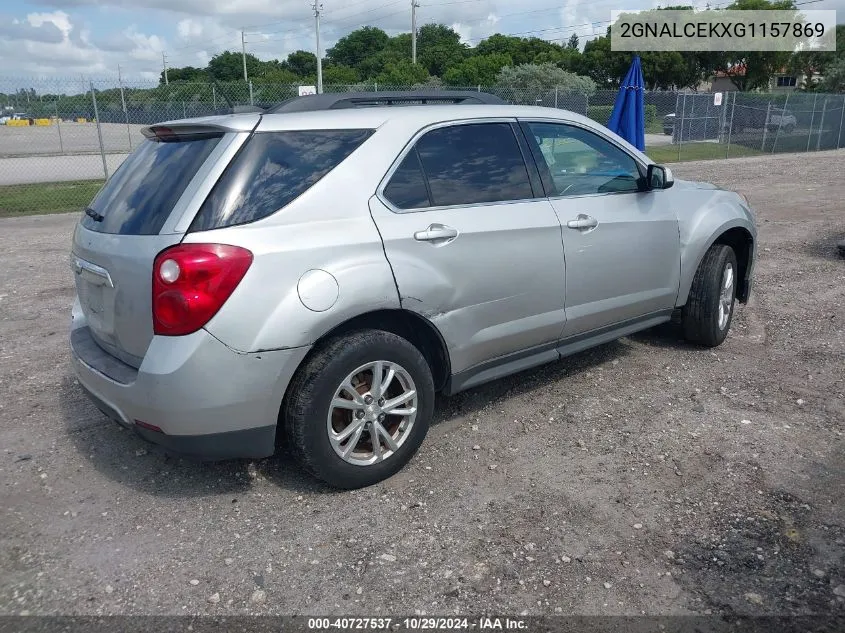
[359,409]
[709,310]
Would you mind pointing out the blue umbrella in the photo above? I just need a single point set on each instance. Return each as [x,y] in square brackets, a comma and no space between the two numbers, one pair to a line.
[628,118]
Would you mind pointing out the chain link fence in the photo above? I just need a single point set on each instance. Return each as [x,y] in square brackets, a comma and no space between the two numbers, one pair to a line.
[61,138]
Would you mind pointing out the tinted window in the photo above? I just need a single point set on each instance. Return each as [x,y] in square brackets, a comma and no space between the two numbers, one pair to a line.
[272,170]
[473,164]
[139,197]
[407,189]
[581,162]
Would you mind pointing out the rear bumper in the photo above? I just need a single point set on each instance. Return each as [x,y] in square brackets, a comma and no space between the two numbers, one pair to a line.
[208,400]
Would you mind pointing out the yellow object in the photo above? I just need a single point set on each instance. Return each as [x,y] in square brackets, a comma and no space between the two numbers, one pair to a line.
[18,122]
[81,120]
[43,122]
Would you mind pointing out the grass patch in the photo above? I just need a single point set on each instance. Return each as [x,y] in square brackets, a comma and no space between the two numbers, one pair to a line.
[47,197]
[697,151]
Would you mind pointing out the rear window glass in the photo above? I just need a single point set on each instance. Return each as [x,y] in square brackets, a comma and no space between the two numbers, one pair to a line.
[272,170]
[139,197]
[474,164]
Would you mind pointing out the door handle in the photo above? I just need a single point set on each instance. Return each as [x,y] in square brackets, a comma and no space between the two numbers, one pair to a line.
[583,222]
[436,233]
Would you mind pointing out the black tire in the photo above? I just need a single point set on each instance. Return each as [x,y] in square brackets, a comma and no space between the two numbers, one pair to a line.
[306,408]
[700,316]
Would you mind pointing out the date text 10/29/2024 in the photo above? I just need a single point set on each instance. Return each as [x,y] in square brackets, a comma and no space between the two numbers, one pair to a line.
[417,624]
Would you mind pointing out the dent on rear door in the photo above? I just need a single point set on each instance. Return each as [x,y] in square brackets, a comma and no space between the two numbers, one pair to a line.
[498,288]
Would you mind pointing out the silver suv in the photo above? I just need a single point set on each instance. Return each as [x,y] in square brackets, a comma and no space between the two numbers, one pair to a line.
[318,275]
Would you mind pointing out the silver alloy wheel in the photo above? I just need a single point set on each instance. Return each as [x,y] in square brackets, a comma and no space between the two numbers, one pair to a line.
[372,413]
[726,296]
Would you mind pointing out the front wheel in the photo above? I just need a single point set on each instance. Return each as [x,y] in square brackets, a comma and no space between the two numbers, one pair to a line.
[359,408]
[709,310]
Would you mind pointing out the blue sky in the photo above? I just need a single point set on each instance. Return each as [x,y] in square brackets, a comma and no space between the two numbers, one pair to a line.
[74,38]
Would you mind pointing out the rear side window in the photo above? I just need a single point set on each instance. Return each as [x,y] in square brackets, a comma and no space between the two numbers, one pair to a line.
[407,188]
[474,164]
[139,197]
[272,170]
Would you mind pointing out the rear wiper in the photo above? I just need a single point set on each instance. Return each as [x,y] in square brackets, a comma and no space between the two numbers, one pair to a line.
[94,215]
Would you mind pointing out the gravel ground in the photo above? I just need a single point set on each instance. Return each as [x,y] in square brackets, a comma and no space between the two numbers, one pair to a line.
[645,476]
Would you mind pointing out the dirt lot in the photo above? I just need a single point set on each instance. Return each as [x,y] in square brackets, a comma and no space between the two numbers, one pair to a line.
[646,476]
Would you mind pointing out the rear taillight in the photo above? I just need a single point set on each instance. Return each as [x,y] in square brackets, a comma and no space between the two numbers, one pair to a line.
[191,282]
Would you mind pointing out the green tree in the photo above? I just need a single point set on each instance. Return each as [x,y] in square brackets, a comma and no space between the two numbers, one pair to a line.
[360,44]
[340,75]
[228,66]
[573,43]
[439,47]
[399,46]
[542,78]
[372,66]
[186,73]
[278,74]
[565,58]
[402,73]
[604,66]
[812,64]
[521,50]
[478,70]
[753,70]
[301,63]
[668,70]
[834,77]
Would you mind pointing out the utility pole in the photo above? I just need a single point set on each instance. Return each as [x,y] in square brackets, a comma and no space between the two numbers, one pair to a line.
[164,63]
[243,49]
[414,6]
[318,7]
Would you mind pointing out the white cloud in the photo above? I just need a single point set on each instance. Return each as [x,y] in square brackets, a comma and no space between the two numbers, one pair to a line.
[189,29]
[58,18]
[133,33]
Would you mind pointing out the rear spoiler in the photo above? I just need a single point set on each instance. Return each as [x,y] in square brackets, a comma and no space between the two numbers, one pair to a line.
[172,133]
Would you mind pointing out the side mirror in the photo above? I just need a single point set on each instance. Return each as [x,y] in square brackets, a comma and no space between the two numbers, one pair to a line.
[659,177]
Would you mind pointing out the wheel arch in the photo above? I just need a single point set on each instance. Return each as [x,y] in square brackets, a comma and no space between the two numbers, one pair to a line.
[413,327]
[742,241]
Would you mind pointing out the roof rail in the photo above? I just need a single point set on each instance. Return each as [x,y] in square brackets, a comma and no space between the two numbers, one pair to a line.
[342,100]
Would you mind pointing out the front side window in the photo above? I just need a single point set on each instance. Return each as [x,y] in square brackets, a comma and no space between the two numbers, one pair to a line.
[581,163]
[473,164]
[272,170]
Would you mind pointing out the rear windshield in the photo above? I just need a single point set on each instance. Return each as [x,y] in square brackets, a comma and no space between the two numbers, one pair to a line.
[272,170]
[139,197]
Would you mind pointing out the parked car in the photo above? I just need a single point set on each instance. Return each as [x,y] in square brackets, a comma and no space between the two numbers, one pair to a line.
[17,116]
[8,116]
[669,124]
[318,275]
[781,120]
